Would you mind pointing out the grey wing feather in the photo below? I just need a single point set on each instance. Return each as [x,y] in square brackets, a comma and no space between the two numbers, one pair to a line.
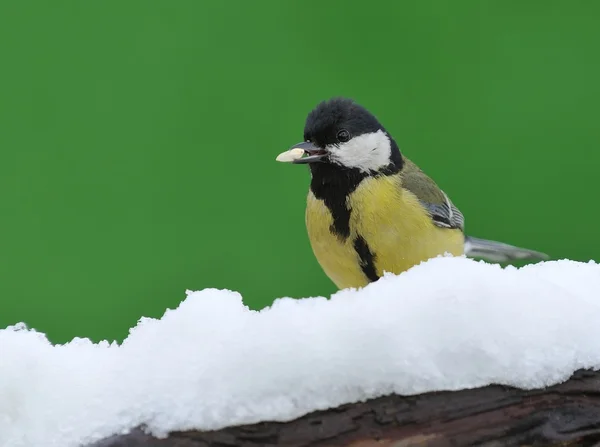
[446,214]
[441,209]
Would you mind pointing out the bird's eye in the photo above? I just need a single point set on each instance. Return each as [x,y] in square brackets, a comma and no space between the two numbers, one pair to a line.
[343,135]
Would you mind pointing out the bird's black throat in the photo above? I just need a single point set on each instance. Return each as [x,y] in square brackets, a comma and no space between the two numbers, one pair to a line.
[333,184]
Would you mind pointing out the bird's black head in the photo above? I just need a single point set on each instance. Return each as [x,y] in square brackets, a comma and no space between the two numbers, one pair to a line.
[343,134]
[338,117]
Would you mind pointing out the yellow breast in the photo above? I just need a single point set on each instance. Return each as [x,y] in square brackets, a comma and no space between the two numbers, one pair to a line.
[398,231]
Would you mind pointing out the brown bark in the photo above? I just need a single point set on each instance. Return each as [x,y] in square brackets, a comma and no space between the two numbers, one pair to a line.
[563,415]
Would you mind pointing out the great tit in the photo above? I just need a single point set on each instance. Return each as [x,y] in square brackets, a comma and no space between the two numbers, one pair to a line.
[370,209]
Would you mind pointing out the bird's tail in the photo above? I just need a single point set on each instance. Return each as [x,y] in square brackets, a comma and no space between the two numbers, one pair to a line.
[499,252]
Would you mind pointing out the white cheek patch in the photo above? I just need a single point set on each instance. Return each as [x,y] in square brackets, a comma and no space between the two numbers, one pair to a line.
[366,152]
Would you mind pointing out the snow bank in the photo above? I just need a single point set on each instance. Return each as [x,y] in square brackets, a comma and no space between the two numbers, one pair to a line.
[446,324]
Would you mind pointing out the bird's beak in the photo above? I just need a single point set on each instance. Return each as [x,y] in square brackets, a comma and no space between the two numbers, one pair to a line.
[296,154]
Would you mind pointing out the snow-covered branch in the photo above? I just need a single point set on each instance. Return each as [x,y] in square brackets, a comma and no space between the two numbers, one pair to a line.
[449,324]
[565,415]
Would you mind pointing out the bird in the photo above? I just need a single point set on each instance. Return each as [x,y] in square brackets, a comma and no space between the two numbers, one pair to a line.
[370,209]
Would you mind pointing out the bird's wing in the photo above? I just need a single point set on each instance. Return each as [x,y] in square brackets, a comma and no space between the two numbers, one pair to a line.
[441,209]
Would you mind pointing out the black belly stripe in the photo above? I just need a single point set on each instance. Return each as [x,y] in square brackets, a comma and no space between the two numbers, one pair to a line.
[366,258]
[340,213]
[333,185]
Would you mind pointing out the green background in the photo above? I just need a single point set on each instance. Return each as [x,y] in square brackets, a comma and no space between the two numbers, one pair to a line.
[138,139]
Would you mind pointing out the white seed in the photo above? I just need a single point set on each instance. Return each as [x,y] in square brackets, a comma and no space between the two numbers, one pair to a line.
[291,155]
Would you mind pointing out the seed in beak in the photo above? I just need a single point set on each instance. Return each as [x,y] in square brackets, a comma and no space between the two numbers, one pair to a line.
[291,155]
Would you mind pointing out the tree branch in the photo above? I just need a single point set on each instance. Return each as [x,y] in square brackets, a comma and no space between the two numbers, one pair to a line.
[567,415]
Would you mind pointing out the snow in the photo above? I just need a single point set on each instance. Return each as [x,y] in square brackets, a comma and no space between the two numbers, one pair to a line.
[447,324]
